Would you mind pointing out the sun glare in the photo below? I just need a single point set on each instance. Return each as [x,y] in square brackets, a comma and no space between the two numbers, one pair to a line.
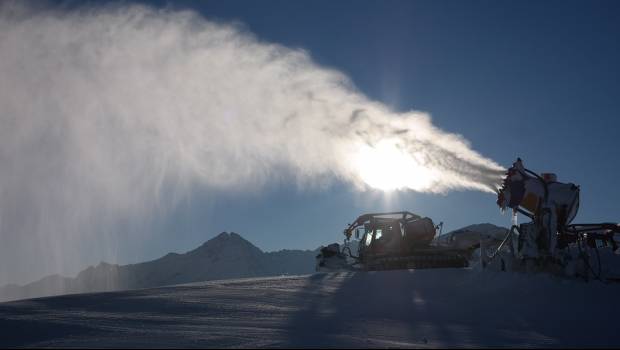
[388,167]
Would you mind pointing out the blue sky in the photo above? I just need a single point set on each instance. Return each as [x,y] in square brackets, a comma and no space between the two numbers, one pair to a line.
[532,79]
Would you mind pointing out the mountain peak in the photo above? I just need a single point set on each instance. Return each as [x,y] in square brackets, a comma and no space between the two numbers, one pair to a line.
[483,227]
[227,240]
[225,236]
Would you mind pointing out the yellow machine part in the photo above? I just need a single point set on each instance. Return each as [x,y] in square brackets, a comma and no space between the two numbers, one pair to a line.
[530,202]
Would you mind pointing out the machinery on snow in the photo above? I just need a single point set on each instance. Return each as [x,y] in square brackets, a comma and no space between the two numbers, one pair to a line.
[549,242]
[386,241]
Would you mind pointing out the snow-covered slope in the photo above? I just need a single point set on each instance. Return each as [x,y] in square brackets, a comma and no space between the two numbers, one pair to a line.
[227,255]
[417,308]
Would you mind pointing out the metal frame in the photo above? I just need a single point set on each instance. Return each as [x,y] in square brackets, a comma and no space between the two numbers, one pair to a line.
[362,219]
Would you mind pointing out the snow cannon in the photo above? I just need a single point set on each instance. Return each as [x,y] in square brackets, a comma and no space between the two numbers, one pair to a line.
[550,236]
[531,194]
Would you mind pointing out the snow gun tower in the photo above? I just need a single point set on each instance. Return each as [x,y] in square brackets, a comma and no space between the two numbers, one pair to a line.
[550,241]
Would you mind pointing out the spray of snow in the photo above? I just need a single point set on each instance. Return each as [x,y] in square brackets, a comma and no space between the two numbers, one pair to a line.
[107,113]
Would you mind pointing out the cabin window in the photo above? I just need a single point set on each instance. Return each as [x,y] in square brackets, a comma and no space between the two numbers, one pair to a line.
[378,233]
[368,238]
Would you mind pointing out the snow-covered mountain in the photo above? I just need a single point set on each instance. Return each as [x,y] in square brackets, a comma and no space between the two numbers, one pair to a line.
[226,256]
[470,236]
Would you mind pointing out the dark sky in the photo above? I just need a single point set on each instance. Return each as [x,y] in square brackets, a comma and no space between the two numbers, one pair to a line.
[532,79]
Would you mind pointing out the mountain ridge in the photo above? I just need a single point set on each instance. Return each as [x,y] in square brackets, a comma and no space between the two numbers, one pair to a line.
[227,255]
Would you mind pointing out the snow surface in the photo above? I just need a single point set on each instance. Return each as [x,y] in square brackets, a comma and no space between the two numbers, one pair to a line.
[408,308]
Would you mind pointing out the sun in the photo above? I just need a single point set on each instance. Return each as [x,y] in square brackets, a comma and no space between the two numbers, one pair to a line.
[387,167]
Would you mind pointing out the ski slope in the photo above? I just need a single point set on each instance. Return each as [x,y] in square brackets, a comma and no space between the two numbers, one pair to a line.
[415,308]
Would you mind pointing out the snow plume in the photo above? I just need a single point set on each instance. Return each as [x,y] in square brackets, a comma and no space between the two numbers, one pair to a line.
[106,113]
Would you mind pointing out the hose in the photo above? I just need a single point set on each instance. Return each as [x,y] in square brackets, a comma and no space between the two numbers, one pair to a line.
[586,259]
[501,245]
